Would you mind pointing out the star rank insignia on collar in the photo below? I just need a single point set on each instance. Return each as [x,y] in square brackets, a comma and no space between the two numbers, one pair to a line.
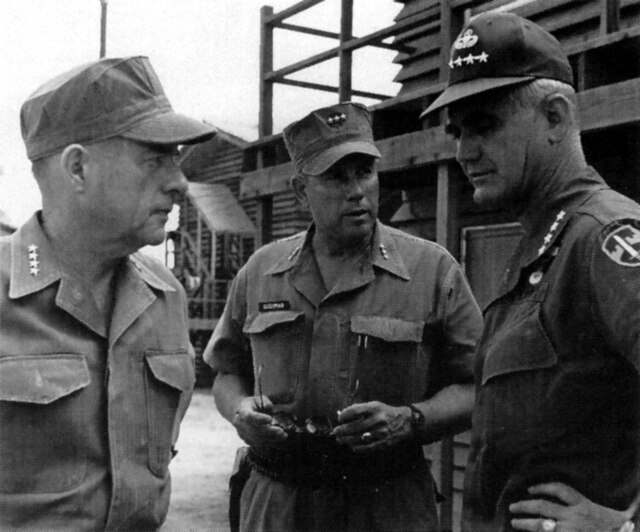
[33,260]
[549,236]
[383,252]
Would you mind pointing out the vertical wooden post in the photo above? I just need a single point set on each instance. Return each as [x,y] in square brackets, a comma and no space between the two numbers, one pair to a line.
[609,16]
[103,28]
[446,229]
[345,57]
[265,120]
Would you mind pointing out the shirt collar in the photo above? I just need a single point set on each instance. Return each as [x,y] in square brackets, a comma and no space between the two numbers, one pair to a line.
[384,252]
[34,265]
[555,214]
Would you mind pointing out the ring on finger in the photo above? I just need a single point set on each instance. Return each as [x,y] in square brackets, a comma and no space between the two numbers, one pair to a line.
[366,437]
[549,525]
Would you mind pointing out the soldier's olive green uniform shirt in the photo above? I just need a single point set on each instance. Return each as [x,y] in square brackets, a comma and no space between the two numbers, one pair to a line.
[88,414]
[558,365]
[397,327]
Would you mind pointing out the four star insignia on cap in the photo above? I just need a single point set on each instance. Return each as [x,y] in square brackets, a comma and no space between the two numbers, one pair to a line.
[470,59]
[549,236]
[33,260]
[336,119]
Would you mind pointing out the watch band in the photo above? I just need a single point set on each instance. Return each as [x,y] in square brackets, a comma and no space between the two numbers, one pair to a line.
[417,419]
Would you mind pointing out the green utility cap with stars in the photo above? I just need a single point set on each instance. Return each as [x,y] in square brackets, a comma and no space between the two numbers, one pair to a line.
[323,137]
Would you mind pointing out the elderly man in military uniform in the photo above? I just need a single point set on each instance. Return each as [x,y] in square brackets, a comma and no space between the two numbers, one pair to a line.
[342,350]
[556,431]
[96,370]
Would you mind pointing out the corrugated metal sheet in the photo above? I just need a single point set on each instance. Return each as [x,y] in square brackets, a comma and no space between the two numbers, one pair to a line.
[220,209]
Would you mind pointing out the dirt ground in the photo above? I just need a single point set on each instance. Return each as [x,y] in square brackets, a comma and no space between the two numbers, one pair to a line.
[201,469]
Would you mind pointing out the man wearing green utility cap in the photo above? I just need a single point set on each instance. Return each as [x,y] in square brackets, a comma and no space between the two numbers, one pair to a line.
[342,350]
[96,370]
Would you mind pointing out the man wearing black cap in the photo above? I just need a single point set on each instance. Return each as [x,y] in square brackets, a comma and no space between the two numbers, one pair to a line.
[96,370]
[342,350]
[556,434]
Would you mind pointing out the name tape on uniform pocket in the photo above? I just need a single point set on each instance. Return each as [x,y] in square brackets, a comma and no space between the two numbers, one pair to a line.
[270,306]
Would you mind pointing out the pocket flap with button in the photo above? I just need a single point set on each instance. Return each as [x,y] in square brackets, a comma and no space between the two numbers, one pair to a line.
[388,329]
[524,347]
[265,320]
[175,369]
[42,379]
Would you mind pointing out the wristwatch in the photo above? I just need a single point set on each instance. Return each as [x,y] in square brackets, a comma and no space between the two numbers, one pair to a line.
[417,419]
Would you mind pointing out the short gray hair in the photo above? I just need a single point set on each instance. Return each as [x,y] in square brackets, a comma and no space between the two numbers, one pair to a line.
[533,94]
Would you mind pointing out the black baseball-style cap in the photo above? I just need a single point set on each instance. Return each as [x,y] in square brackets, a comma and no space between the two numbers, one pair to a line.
[496,50]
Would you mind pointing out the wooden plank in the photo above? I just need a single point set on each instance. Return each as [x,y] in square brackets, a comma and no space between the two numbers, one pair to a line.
[265,118]
[609,16]
[398,153]
[351,45]
[332,35]
[345,56]
[202,324]
[611,105]
[601,107]
[330,88]
[604,40]
[291,11]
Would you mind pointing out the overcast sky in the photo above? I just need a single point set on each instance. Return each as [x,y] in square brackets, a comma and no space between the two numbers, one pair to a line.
[205,52]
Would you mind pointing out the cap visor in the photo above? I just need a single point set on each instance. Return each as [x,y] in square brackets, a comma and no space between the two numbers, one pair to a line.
[332,155]
[170,128]
[465,89]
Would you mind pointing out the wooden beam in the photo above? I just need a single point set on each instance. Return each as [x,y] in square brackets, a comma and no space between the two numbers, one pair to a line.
[398,153]
[396,47]
[353,44]
[607,106]
[307,30]
[291,11]
[345,56]
[609,16]
[330,88]
[265,118]
[610,105]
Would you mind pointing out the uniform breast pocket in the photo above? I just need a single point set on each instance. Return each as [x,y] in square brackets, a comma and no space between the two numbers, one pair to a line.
[42,415]
[169,375]
[519,365]
[391,364]
[276,343]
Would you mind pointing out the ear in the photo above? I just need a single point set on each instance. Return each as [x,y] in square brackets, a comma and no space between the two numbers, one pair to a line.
[557,111]
[73,161]
[299,186]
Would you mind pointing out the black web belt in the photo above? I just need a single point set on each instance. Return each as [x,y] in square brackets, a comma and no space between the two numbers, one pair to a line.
[327,463]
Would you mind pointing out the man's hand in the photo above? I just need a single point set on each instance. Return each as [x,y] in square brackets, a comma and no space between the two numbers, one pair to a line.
[372,426]
[254,423]
[577,514]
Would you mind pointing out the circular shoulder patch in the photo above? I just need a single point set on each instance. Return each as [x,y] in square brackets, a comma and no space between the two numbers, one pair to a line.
[621,242]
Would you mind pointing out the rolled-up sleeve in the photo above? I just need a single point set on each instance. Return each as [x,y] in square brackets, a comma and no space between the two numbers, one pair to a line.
[462,326]
[228,351]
